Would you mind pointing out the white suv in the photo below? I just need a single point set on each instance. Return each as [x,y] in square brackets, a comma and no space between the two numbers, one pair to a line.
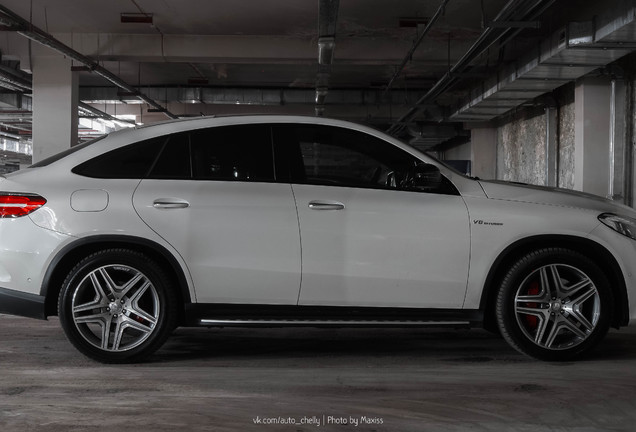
[278,220]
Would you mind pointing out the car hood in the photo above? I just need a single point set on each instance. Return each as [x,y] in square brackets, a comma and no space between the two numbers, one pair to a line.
[550,196]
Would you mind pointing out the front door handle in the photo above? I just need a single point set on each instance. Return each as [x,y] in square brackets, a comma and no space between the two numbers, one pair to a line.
[170,203]
[326,205]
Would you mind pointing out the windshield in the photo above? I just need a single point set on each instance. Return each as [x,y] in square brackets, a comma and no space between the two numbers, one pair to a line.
[447,165]
[63,154]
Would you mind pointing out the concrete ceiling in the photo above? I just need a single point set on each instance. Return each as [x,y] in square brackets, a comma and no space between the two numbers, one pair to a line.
[234,47]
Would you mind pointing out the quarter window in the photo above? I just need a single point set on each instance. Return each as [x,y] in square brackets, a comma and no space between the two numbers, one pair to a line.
[130,162]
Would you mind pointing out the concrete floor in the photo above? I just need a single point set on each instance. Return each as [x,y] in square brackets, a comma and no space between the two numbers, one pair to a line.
[228,379]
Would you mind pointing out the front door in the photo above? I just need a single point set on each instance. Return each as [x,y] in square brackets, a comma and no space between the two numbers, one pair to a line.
[368,238]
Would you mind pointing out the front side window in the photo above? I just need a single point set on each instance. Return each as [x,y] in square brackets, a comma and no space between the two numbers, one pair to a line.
[325,155]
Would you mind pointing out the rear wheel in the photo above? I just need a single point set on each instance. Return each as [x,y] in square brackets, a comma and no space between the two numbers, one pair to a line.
[117,306]
[554,304]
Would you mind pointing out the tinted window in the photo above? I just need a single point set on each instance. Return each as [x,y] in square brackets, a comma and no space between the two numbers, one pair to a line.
[132,161]
[63,154]
[335,156]
[232,153]
[174,160]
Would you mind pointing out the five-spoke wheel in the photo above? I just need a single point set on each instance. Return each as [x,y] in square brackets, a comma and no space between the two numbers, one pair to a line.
[115,305]
[554,304]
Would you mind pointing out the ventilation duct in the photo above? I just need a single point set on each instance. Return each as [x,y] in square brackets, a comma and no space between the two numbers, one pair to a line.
[568,54]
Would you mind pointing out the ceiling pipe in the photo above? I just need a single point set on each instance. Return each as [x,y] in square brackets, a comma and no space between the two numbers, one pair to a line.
[480,46]
[102,114]
[13,126]
[409,55]
[6,85]
[36,34]
[18,83]
[7,135]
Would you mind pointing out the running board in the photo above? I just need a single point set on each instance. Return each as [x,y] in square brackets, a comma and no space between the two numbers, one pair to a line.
[328,323]
[225,315]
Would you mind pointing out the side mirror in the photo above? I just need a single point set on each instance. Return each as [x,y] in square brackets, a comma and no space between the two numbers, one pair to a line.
[426,177]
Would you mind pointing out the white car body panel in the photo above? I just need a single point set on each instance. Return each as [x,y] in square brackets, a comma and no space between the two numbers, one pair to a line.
[621,247]
[20,265]
[240,239]
[382,249]
[497,190]
[62,225]
[498,224]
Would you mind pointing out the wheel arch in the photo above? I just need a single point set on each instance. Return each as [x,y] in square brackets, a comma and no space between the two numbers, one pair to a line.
[587,247]
[66,259]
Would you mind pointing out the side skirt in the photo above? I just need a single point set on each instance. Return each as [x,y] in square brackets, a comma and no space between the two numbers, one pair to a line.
[226,315]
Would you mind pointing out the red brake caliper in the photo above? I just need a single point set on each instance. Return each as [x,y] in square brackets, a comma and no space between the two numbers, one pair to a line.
[532,320]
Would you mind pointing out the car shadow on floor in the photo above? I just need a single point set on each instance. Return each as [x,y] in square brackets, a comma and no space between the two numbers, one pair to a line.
[287,344]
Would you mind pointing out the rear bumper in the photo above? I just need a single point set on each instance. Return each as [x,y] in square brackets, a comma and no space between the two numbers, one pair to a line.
[23,304]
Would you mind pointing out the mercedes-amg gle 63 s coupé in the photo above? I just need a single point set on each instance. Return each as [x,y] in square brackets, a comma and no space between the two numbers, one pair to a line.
[281,220]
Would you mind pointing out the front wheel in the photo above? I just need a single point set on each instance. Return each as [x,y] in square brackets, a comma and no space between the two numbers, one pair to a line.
[554,304]
[116,306]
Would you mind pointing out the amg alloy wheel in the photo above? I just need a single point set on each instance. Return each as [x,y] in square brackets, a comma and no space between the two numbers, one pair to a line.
[554,304]
[115,306]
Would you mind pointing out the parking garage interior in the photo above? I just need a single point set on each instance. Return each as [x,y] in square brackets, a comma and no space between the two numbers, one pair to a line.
[532,91]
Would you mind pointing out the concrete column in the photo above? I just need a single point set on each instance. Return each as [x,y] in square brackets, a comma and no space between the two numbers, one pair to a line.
[592,100]
[551,147]
[55,99]
[619,158]
[484,152]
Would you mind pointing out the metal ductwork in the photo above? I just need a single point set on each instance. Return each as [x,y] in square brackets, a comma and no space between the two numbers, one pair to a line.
[409,55]
[496,31]
[28,30]
[570,53]
[260,97]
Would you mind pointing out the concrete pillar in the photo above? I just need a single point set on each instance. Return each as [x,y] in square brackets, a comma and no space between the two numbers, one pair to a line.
[592,100]
[484,152]
[551,147]
[620,162]
[55,99]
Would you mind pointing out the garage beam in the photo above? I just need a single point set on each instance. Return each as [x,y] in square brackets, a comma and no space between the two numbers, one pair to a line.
[36,34]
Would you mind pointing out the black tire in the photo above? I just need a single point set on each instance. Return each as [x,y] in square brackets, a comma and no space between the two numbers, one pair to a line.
[554,304]
[117,306]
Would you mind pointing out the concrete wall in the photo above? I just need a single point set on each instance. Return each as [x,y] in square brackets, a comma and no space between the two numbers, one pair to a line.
[580,136]
[484,152]
[459,152]
[521,150]
[593,138]
[565,172]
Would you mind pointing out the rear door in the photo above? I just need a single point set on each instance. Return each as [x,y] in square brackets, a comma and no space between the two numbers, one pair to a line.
[212,195]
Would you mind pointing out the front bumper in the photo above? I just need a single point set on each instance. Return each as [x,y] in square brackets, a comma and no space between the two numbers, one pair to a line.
[23,304]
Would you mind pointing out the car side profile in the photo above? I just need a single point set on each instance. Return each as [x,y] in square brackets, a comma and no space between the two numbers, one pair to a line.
[290,220]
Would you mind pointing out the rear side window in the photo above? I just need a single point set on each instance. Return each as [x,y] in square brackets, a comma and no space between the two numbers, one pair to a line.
[233,153]
[174,160]
[63,154]
[130,162]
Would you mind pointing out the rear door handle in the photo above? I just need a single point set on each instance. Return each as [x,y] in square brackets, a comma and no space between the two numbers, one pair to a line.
[170,203]
[326,205]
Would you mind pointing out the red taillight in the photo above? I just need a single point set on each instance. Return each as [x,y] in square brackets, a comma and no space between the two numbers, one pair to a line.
[16,205]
